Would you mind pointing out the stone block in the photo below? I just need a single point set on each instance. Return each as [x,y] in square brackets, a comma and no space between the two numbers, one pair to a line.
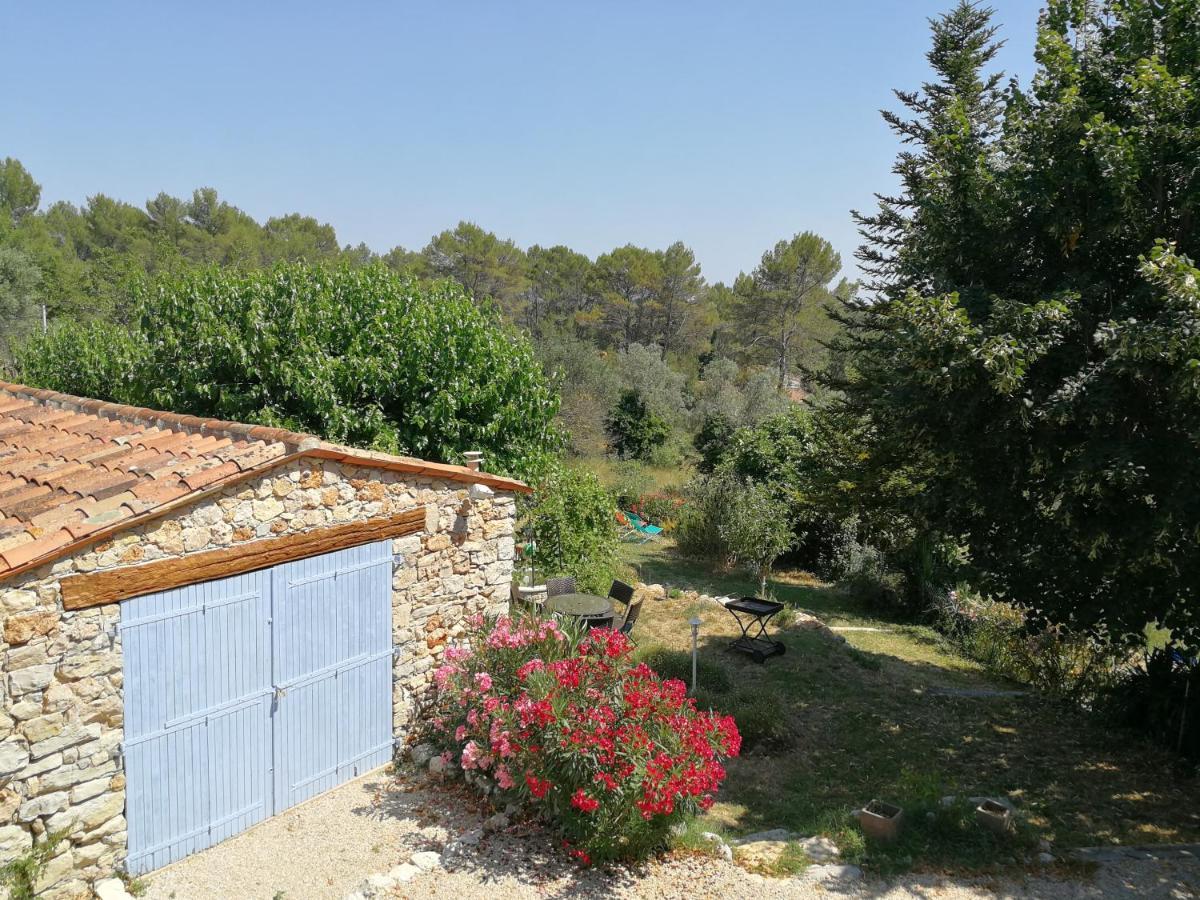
[89,789]
[70,736]
[24,657]
[14,754]
[42,727]
[89,665]
[14,840]
[21,628]
[44,805]
[18,601]
[40,766]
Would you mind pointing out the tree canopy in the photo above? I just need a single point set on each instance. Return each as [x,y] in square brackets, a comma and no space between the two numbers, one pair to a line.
[362,356]
[1023,380]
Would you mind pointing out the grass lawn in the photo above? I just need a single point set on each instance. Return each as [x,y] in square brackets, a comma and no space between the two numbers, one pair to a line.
[831,726]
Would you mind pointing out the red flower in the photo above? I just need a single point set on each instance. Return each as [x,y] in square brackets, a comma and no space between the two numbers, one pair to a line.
[538,787]
[584,802]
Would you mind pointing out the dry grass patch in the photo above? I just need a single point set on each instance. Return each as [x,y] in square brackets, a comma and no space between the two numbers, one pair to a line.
[831,726]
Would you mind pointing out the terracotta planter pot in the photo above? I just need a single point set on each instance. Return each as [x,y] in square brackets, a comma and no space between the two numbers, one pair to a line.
[995,817]
[881,821]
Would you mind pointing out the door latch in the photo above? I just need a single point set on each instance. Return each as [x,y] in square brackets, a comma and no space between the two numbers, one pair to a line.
[280,693]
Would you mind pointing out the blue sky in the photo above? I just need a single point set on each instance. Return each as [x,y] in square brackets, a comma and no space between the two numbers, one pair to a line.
[725,125]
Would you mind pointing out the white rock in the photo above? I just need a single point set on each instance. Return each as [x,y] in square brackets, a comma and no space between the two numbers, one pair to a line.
[724,851]
[426,860]
[820,849]
[1044,845]
[403,872]
[1045,858]
[421,754]
[832,873]
[437,765]
[111,889]
[377,886]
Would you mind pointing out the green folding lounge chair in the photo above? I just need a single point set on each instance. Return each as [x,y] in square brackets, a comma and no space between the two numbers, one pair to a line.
[642,527]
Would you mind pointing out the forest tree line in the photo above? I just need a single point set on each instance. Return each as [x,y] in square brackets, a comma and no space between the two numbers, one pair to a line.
[633,317]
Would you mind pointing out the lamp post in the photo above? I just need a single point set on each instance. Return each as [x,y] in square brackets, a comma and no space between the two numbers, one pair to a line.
[695,623]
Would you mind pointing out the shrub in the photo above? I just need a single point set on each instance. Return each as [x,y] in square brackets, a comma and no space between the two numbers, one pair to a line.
[22,873]
[711,676]
[631,480]
[701,532]
[1159,698]
[605,749]
[1049,657]
[574,528]
[362,356]
[636,431]
[726,520]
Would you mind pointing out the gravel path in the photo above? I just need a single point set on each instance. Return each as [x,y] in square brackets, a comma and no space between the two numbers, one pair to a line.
[324,849]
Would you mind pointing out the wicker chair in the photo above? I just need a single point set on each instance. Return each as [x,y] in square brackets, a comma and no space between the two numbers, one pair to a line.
[557,586]
[621,592]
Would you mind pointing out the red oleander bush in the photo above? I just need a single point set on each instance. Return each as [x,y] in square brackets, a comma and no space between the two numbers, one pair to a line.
[659,508]
[604,748]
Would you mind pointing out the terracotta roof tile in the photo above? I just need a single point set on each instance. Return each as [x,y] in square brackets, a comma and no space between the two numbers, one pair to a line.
[93,509]
[32,550]
[104,452]
[206,476]
[73,470]
[150,492]
[133,460]
[13,496]
[28,510]
[161,464]
[61,476]
[166,442]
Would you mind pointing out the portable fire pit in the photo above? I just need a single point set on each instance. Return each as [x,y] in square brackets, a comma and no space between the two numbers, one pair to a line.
[752,616]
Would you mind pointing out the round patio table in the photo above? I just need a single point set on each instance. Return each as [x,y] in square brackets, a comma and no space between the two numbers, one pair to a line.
[582,606]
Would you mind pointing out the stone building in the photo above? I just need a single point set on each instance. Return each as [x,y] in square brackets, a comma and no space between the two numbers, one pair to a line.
[207,622]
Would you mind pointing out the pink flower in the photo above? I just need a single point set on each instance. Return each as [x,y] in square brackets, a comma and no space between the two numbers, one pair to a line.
[457,654]
[460,733]
[470,755]
[483,681]
[504,778]
[534,665]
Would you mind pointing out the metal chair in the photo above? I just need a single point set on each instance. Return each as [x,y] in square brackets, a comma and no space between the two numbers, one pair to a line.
[557,586]
[598,622]
[621,592]
[631,616]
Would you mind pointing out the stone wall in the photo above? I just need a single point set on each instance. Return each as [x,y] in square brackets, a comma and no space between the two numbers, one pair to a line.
[61,706]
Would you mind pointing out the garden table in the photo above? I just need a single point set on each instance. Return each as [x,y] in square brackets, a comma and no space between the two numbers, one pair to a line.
[581,606]
[752,613]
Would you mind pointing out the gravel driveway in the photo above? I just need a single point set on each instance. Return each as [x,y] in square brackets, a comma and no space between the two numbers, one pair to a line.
[324,849]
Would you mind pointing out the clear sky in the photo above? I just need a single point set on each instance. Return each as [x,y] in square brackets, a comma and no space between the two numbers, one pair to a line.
[727,125]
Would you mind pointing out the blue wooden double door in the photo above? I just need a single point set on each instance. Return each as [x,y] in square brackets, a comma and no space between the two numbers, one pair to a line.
[247,695]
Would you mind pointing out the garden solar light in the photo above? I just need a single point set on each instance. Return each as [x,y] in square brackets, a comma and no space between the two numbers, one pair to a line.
[695,623]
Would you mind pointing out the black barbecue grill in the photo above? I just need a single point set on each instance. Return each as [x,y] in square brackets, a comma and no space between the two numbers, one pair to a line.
[752,615]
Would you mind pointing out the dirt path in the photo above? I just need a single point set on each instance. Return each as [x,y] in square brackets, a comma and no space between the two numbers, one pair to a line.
[324,850]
